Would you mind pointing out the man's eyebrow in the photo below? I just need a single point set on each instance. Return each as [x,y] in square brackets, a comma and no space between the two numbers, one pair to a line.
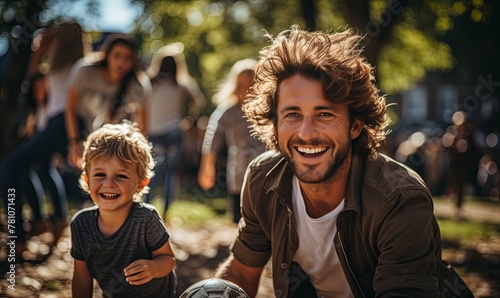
[330,107]
[289,108]
[317,108]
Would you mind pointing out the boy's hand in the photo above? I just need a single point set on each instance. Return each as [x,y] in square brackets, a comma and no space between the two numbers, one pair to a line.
[140,272]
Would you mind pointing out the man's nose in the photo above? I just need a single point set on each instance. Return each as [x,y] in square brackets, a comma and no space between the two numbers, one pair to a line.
[307,129]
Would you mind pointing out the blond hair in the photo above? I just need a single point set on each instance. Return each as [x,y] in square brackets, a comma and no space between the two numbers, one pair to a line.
[124,141]
[335,60]
[227,91]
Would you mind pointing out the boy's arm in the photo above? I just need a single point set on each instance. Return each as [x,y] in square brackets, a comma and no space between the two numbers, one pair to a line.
[82,283]
[142,271]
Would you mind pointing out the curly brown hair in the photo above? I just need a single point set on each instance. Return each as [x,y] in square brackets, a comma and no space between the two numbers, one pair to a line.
[124,141]
[335,60]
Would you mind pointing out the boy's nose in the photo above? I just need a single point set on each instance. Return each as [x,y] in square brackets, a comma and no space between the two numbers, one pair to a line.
[108,183]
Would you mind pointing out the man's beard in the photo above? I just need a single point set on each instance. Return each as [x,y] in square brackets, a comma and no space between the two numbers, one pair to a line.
[335,168]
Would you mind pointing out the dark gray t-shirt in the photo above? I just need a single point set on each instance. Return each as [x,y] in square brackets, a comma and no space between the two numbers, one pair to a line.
[142,232]
[229,127]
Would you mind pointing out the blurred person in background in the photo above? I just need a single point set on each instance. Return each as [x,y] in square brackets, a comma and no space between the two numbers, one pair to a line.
[459,142]
[169,103]
[105,91]
[37,153]
[227,127]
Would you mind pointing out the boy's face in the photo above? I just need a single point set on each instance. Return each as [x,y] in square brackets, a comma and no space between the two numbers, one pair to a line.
[113,183]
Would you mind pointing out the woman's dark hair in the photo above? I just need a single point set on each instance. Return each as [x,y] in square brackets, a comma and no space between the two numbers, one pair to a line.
[131,42]
[168,68]
[69,45]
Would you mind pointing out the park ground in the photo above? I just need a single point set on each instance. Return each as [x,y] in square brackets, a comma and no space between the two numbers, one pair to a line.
[201,235]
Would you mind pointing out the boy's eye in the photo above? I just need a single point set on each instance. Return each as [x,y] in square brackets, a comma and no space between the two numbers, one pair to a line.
[99,175]
[122,176]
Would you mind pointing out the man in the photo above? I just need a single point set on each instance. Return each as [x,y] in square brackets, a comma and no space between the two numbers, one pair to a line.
[337,218]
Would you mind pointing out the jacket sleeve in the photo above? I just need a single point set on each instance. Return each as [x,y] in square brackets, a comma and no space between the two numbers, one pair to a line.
[407,239]
[252,246]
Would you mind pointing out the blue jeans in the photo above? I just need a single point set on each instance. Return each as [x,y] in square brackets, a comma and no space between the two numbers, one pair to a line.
[167,150]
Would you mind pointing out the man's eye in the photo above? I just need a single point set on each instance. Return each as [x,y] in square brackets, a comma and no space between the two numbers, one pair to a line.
[325,114]
[292,115]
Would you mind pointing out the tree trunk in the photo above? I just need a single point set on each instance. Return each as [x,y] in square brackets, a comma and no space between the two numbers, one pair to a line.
[309,12]
[19,55]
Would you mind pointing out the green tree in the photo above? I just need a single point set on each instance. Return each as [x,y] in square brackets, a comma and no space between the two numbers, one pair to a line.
[217,33]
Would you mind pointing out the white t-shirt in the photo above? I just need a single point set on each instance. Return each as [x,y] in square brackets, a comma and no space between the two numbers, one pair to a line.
[97,96]
[166,107]
[316,254]
[58,91]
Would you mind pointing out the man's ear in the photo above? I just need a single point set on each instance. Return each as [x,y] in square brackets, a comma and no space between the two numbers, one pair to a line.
[357,128]
[143,184]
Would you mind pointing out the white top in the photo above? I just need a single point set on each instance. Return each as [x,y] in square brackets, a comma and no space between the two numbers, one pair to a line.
[316,254]
[166,107]
[97,96]
[57,82]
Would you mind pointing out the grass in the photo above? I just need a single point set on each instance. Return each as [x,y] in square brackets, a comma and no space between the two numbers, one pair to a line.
[482,226]
[194,207]
[467,230]
[188,213]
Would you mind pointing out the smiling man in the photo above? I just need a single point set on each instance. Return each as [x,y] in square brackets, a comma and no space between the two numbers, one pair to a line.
[337,218]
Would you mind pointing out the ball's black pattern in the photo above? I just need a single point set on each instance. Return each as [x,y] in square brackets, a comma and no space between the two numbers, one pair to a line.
[214,288]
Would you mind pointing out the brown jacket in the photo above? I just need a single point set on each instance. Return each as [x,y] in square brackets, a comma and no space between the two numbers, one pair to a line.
[388,239]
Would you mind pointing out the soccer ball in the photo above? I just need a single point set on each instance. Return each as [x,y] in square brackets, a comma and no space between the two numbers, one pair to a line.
[214,288]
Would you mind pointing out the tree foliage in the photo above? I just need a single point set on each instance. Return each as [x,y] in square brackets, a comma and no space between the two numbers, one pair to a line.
[404,40]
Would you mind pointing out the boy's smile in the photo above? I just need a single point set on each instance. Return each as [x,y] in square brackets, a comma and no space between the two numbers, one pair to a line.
[109,196]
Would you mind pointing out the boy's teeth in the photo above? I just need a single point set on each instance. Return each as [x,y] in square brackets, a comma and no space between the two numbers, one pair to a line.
[109,195]
[311,150]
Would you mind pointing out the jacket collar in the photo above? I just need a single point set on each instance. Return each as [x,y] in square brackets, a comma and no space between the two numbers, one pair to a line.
[354,184]
[279,179]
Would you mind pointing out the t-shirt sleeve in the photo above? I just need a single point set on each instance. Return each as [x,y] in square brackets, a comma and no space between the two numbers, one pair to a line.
[79,76]
[214,140]
[138,90]
[156,233]
[76,245]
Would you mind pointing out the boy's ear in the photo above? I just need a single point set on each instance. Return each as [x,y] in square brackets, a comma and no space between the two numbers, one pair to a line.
[143,184]
[85,177]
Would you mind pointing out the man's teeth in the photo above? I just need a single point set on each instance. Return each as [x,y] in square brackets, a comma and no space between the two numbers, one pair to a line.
[311,150]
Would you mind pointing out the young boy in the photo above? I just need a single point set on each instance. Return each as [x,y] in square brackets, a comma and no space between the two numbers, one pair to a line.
[121,243]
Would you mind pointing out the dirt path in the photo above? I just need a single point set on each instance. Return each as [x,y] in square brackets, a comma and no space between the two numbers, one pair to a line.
[199,251]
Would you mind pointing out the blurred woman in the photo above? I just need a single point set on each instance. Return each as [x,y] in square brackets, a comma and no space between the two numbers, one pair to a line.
[227,127]
[37,152]
[168,106]
[106,91]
